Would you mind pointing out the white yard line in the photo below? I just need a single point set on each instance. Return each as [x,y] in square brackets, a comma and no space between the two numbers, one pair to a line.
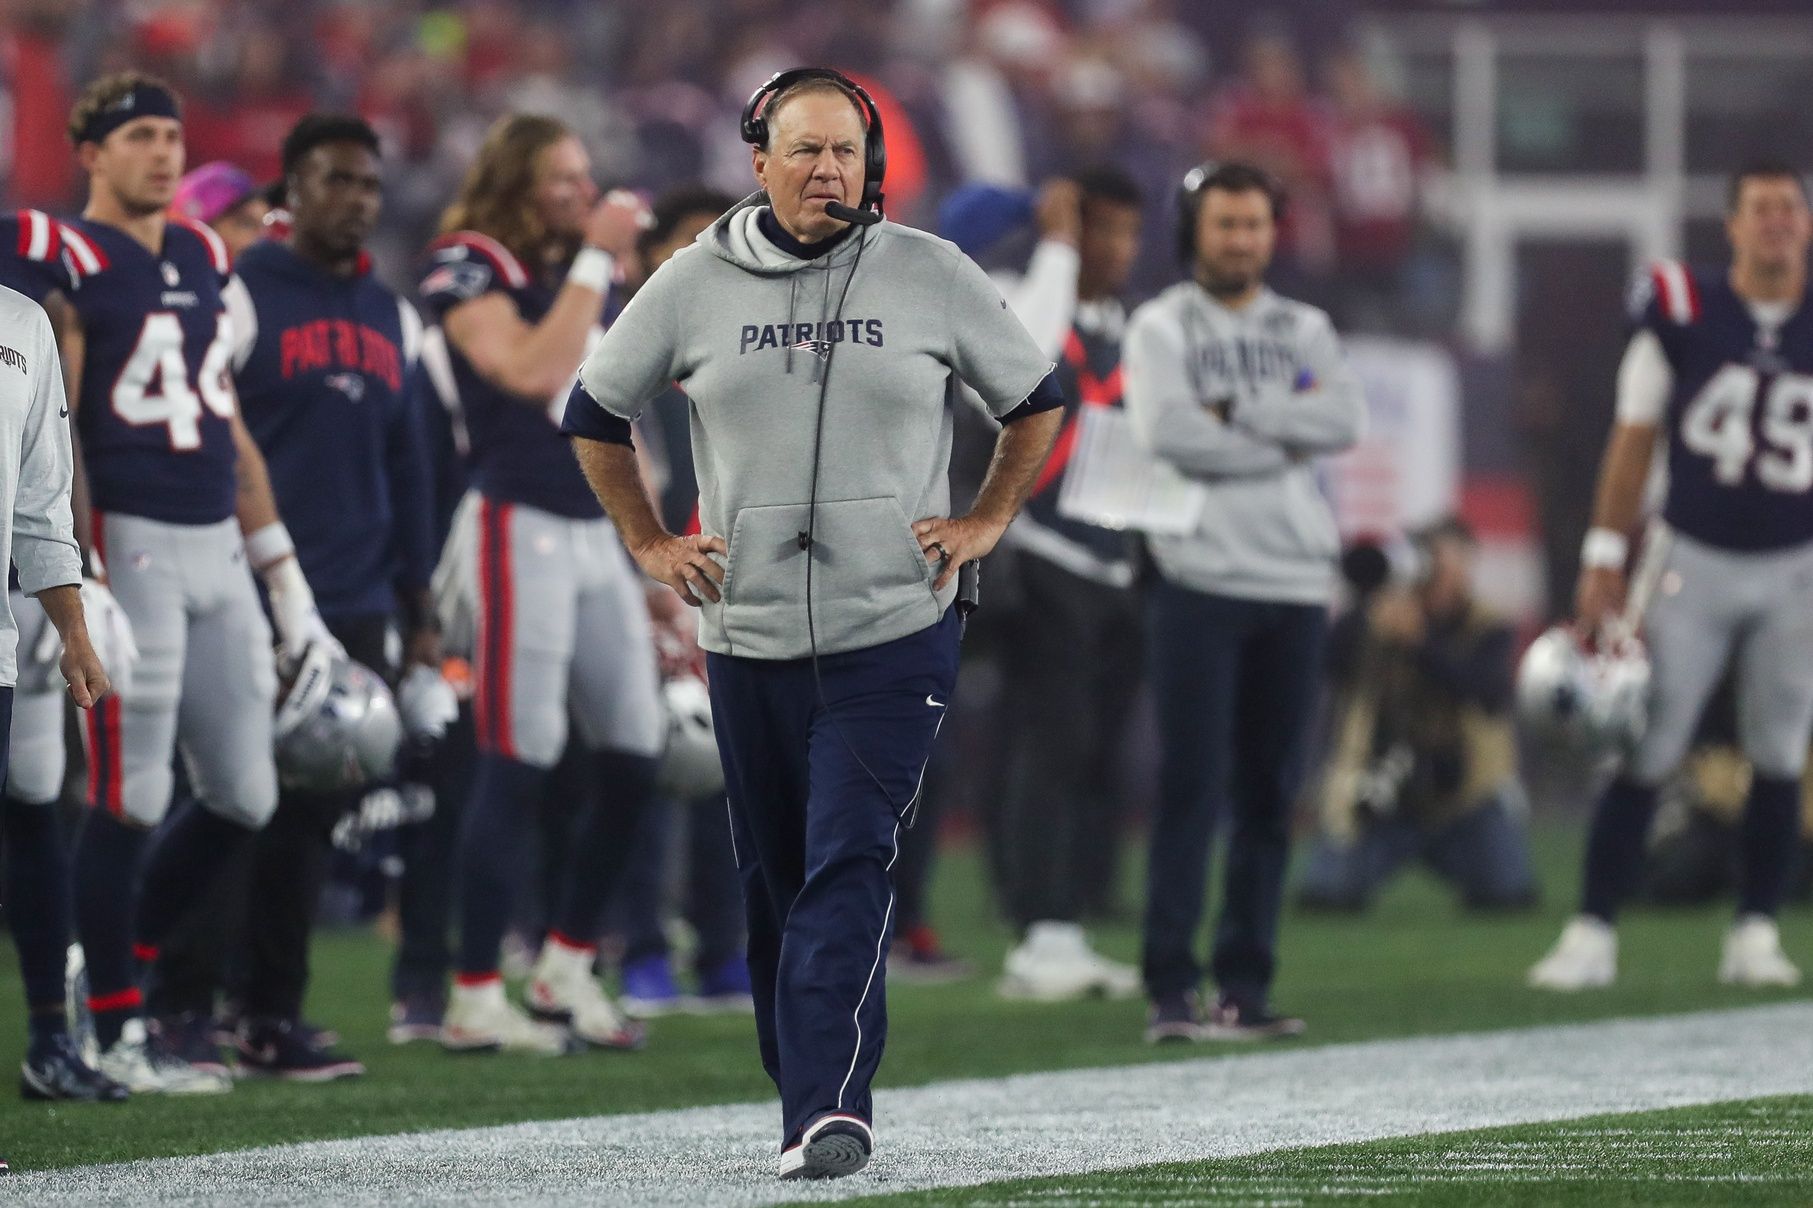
[961,1133]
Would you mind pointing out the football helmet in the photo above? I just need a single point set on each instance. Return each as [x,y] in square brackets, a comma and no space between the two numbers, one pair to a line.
[689,762]
[1590,697]
[336,726]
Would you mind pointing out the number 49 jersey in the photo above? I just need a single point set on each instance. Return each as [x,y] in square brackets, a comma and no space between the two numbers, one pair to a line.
[1740,415]
[156,399]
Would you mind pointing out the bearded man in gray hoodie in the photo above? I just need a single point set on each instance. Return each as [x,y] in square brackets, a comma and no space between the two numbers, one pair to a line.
[821,349]
[1238,389]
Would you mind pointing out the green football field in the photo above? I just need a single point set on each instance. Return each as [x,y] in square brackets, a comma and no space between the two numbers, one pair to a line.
[1417,966]
[1757,1153]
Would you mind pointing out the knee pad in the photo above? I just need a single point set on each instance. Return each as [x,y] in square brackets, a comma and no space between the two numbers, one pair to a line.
[35,766]
[249,799]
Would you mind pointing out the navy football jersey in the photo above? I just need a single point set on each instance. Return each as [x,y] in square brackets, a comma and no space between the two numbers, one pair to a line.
[156,405]
[40,255]
[515,447]
[325,369]
[1740,420]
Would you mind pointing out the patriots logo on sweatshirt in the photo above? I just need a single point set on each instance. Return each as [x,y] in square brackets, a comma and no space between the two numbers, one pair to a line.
[818,348]
[349,384]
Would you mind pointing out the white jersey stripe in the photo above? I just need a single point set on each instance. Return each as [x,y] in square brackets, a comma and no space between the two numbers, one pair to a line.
[88,259]
[1677,293]
[37,246]
[217,247]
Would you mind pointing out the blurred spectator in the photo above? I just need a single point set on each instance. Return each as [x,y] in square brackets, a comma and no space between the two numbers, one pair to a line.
[246,121]
[1378,153]
[1266,117]
[227,199]
[1422,763]
[1695,847]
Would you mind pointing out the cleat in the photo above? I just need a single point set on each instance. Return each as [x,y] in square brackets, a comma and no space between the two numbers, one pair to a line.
[723,990]
[416,1017]
[1055,963]
[831,1147]
[1228,1020]
[226,1029]
[1753,955]
[141,1063]
[55,1070]
[919,959]
[649,989]
[191,1037]
[480,1019]
[286,1050]
[1584,958]
[1175,1018]
[563,990]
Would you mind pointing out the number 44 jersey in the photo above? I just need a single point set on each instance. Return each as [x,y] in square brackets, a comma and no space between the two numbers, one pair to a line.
[156,400]
[1739,399]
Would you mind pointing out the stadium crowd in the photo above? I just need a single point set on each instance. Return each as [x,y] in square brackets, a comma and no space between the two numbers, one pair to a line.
[1005,93]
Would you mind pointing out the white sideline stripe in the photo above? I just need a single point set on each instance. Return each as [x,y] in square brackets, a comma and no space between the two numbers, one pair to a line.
[970,1132]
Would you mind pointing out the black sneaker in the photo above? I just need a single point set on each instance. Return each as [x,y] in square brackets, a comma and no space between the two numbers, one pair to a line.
[226,1029]
[1175,1018]
[281,1049]
[1229,1020]
[190,1037]
[416,1017]
[54,1069]
[831,1147]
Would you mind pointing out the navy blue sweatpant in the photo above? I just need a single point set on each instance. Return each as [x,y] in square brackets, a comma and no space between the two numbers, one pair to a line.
[816,834]
[1234,682]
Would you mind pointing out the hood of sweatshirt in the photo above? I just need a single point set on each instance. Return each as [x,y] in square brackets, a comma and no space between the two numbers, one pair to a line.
[736,237]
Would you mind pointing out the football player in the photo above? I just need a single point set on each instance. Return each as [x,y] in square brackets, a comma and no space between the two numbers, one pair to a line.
[517,285]
[179,513]
[1724,363]
[324,365]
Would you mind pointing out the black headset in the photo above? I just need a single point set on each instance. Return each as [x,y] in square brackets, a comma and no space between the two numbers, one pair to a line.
[875,147]
[1211,175]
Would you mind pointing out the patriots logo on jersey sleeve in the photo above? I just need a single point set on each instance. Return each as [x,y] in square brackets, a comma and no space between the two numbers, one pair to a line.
[461,278]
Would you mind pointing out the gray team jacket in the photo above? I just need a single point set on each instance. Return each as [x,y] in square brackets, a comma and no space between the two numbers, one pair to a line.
[1267,533]
[746,330]
[36,531]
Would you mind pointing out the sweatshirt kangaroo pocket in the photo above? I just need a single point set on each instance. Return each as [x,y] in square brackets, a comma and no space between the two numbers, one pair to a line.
[868,578]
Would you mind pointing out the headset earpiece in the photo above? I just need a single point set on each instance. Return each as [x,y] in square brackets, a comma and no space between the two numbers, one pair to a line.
[754,124]
[1197,180]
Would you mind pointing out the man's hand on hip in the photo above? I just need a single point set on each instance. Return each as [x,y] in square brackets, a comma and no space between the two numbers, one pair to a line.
[954,540]
[684,564]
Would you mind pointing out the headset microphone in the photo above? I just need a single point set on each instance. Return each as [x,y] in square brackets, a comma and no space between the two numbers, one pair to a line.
[844,213]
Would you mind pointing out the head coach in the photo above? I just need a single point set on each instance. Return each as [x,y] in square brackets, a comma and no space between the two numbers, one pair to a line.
[820,348]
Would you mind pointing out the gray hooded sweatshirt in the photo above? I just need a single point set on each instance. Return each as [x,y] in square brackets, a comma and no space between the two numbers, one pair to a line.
[747,331]
[1288,395]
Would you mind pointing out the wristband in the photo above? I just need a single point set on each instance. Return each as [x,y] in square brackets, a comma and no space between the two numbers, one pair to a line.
[269,544]
[1604,549]
[593,268]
